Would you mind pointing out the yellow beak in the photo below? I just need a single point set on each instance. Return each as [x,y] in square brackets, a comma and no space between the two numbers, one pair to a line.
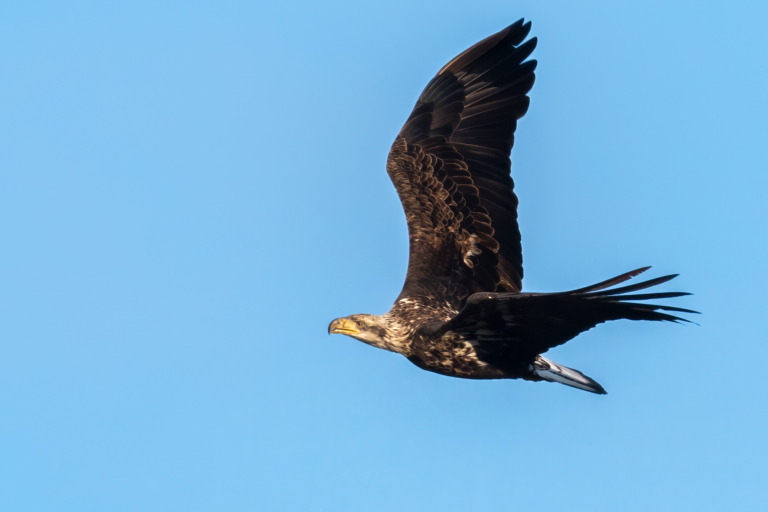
[343,326]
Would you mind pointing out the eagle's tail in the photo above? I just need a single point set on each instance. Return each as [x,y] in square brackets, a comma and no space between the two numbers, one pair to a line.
[553,372]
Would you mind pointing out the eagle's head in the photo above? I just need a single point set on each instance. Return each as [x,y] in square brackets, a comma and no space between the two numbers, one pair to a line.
[370,329]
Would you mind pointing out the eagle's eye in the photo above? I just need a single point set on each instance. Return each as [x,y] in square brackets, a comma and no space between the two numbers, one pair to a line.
[360,324]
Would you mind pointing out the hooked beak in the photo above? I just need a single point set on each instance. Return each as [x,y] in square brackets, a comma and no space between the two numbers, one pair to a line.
[342,326]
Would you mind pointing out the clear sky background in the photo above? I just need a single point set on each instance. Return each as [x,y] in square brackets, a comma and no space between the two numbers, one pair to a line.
[191,191]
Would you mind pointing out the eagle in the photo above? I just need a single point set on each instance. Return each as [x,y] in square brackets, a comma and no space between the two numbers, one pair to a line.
[461,312]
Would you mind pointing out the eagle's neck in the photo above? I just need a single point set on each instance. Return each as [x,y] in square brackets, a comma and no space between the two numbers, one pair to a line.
[409,319]
[397,335]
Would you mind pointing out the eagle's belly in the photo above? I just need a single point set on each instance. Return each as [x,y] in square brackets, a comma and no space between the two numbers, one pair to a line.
[454,357]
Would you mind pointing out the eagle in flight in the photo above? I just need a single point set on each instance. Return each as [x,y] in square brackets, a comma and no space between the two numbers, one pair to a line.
[461,312]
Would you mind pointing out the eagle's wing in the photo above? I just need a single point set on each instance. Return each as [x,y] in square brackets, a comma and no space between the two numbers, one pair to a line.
[450,165]
[506,328]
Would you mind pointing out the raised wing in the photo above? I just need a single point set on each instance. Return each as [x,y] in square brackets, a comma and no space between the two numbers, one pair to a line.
[506,328]
[451,168]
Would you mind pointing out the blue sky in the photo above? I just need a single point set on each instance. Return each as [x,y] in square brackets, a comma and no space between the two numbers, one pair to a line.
[191,191]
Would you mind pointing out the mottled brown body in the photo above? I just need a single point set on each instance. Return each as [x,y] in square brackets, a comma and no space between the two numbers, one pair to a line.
[451,355]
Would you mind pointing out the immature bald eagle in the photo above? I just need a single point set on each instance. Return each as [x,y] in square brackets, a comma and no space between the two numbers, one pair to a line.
[461,312]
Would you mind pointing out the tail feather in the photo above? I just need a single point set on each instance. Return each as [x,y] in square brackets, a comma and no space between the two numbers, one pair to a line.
[553,372]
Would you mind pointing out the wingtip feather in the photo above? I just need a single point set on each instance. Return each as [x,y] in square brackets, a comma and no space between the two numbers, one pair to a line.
[610,282]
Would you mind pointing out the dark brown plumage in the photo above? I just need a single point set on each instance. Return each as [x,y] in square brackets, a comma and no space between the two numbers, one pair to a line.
[461,311]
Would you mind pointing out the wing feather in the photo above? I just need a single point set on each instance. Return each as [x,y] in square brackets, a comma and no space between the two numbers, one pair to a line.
[459,203]
[507,328]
